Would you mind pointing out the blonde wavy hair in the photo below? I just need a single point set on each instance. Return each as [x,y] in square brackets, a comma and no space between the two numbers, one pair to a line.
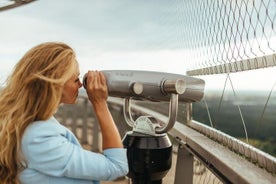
[32,92]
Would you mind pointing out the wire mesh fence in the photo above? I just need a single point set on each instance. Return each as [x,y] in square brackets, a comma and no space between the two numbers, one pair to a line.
[223,39]
[229,36]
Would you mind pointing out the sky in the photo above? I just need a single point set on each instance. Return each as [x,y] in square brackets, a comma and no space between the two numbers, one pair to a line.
[109,35]
[96,30]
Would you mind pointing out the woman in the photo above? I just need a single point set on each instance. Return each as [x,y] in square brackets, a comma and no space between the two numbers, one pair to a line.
[34,146]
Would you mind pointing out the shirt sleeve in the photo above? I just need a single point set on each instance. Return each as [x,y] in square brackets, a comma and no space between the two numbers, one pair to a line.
[47,149]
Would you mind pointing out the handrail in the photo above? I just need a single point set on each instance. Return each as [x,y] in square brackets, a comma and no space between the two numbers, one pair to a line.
[252,154]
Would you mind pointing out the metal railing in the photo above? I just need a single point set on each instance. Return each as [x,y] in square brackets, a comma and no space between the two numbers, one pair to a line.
[204,155]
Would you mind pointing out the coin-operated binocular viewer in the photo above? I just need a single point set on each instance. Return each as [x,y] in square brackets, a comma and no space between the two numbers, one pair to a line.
[149,149]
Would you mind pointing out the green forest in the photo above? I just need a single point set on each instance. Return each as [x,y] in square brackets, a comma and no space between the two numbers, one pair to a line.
[225,115]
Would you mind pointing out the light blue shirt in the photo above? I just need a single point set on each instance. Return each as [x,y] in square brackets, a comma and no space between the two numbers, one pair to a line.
[54,156]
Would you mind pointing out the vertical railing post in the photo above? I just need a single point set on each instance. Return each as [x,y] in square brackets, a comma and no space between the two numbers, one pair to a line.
[84,136]
[184,166]
[74,124]
[184,169]
[95,139]
[189,112]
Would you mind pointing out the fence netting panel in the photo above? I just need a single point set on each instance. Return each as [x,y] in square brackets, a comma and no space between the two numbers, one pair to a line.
[228,36]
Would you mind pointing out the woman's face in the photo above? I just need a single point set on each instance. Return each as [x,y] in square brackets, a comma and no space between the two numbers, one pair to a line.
[71,89]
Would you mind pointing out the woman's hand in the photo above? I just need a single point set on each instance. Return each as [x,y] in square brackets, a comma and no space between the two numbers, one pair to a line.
[97,92]
[96,87]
